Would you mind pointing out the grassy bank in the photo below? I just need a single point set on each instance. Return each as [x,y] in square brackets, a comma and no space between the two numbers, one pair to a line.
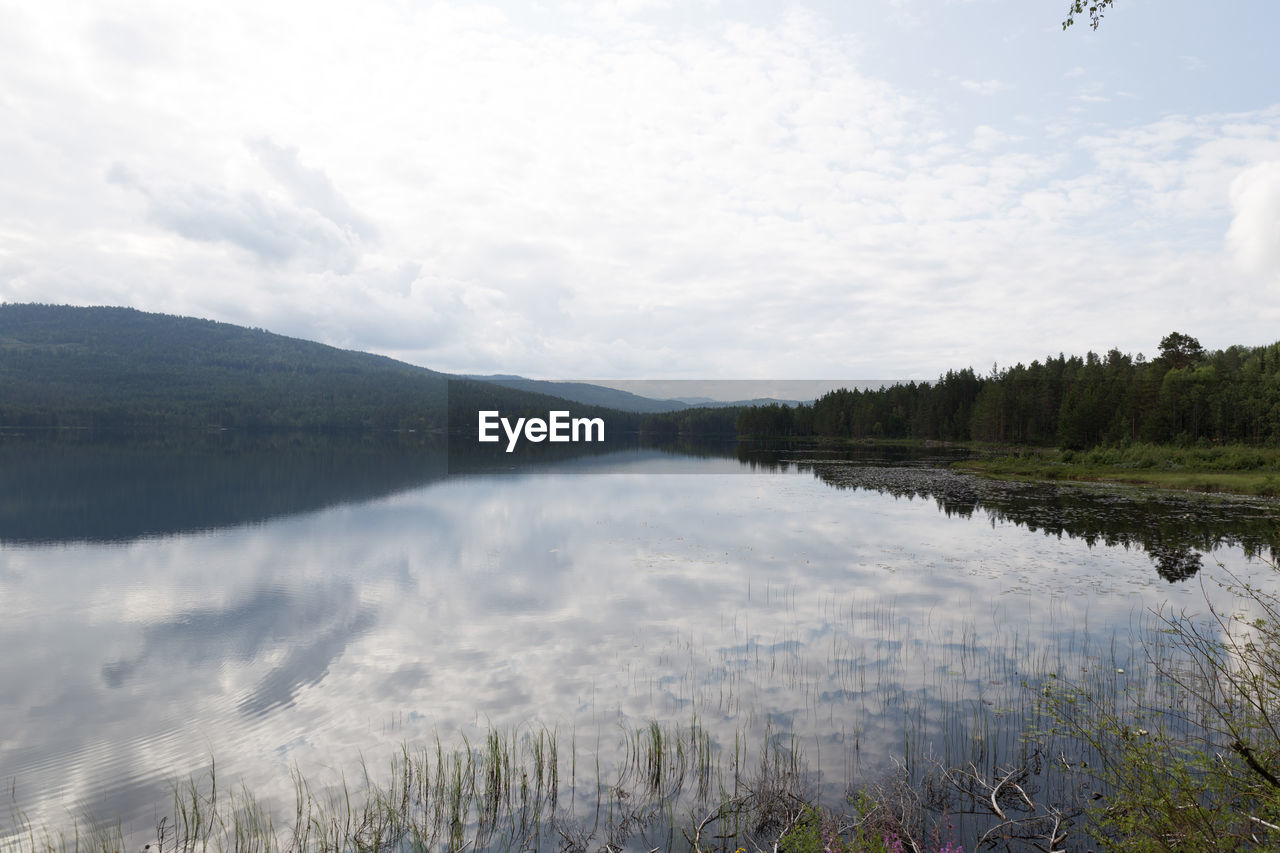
[1236,469]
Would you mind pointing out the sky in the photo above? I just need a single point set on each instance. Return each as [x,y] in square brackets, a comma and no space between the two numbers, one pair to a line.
[637,189]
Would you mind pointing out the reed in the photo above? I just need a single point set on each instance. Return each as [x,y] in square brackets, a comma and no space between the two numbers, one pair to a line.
[940,726]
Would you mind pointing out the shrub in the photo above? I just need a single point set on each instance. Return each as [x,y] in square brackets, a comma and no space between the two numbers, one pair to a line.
[1203,775]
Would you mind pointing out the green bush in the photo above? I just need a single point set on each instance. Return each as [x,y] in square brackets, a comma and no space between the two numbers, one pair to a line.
[1203,775]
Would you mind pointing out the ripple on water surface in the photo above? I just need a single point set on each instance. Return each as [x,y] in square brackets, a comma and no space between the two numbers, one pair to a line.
[858,606]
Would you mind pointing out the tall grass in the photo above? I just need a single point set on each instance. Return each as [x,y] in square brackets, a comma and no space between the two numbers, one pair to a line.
[506,793]
[923,716]
[1240,469]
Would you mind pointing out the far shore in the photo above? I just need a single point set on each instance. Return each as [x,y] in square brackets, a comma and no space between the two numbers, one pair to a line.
[1233,469]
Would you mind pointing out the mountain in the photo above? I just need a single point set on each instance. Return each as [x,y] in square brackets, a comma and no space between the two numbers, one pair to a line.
[120,368]
[601,395]
[584,392]
[755,401]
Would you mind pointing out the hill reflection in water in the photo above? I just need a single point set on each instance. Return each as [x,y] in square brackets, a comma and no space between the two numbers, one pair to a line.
[118,491]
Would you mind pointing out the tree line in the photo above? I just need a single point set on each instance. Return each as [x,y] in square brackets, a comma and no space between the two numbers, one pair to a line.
[1185,395]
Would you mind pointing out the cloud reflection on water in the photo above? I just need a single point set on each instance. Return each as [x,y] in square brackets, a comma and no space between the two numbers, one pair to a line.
[582,603]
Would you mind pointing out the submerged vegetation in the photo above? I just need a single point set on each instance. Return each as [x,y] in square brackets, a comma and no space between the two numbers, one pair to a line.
[1198,770]
[1176,747]
[676,790]
[673,788]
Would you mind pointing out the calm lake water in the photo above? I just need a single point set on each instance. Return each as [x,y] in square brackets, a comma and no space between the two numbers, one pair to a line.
[304,603]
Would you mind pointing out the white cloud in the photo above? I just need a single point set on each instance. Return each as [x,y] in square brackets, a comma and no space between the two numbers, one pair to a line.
[1254,235]
[564,195]
[311,188]
[320,235]
[987,138]
[984,87]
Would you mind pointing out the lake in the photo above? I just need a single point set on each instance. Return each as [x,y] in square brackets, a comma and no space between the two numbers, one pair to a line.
[290,604]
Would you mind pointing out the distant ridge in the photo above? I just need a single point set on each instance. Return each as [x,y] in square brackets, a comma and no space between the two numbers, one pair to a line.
[583,392]
[615,398]
[120,368]
[737,404]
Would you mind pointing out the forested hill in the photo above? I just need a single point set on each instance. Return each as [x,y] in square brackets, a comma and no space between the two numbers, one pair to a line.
[1184,395]
[119,368]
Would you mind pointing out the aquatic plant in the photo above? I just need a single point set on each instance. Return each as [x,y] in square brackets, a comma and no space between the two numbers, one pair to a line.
[1200,769]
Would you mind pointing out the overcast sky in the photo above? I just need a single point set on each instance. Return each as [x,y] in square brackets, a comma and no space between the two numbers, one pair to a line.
[641,189]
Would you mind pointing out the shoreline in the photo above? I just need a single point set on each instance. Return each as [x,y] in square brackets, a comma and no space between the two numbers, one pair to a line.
[1235,469]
